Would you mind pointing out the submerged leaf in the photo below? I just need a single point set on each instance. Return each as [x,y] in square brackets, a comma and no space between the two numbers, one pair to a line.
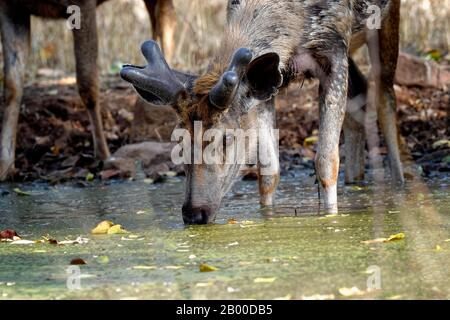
[102,259]
[203,267]
[102,227]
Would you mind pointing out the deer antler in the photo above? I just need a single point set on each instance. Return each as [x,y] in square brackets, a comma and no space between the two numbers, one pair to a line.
[156,81]
[224,91]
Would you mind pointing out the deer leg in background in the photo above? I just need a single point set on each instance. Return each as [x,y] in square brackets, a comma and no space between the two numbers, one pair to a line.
[384,63]
[15,31]
[354,129]
[333,99]
[86,52]
[164,21]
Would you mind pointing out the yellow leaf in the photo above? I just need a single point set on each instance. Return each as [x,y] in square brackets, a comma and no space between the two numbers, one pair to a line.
[394,237]
[264,280]
[348,292]
[310,141]
[438,248]
[144,267]
[90,177]
[116,229]
[102,227]
[203,267]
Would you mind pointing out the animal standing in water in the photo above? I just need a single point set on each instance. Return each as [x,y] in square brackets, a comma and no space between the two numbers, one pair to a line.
[266,46]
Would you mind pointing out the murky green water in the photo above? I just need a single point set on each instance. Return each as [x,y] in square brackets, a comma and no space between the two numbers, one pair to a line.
[292,254]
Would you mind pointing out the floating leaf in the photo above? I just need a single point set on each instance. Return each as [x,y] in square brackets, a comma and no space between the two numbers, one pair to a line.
[264,280]
[348,292]
[173,267]
[144,268]
[77,262]
[78,240]
[116,229]
[203,267]
[21,193]
[395,237]
[23,242]
[149,181]
[102,227]
[9,234]
[169,174]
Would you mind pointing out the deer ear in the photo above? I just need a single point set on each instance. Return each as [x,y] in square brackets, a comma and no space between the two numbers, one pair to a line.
[264,76]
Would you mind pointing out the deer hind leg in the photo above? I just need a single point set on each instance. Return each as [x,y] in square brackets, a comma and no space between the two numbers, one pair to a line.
[383,49]
[164,21]
[86,52]
[15,32]
[354,129]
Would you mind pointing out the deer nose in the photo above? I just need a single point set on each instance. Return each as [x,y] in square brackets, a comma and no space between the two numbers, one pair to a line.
[197,215]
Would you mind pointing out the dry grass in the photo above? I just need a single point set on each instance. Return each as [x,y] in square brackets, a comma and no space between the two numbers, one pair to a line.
[124,24]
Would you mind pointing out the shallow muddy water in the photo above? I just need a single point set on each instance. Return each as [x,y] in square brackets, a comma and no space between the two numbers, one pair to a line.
[291,254]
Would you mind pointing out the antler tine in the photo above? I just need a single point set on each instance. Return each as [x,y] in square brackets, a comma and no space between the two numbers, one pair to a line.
[223,92]
[156,79]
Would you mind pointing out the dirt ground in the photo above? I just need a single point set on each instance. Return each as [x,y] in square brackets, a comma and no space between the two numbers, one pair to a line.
[54,140]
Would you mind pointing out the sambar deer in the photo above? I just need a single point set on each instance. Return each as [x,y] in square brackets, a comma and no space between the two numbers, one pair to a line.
[15,32]
[266,46]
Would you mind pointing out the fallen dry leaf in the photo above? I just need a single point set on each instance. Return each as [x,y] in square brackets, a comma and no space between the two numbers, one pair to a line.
[232,221]
[77,262]
[203,267]
[9,234]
